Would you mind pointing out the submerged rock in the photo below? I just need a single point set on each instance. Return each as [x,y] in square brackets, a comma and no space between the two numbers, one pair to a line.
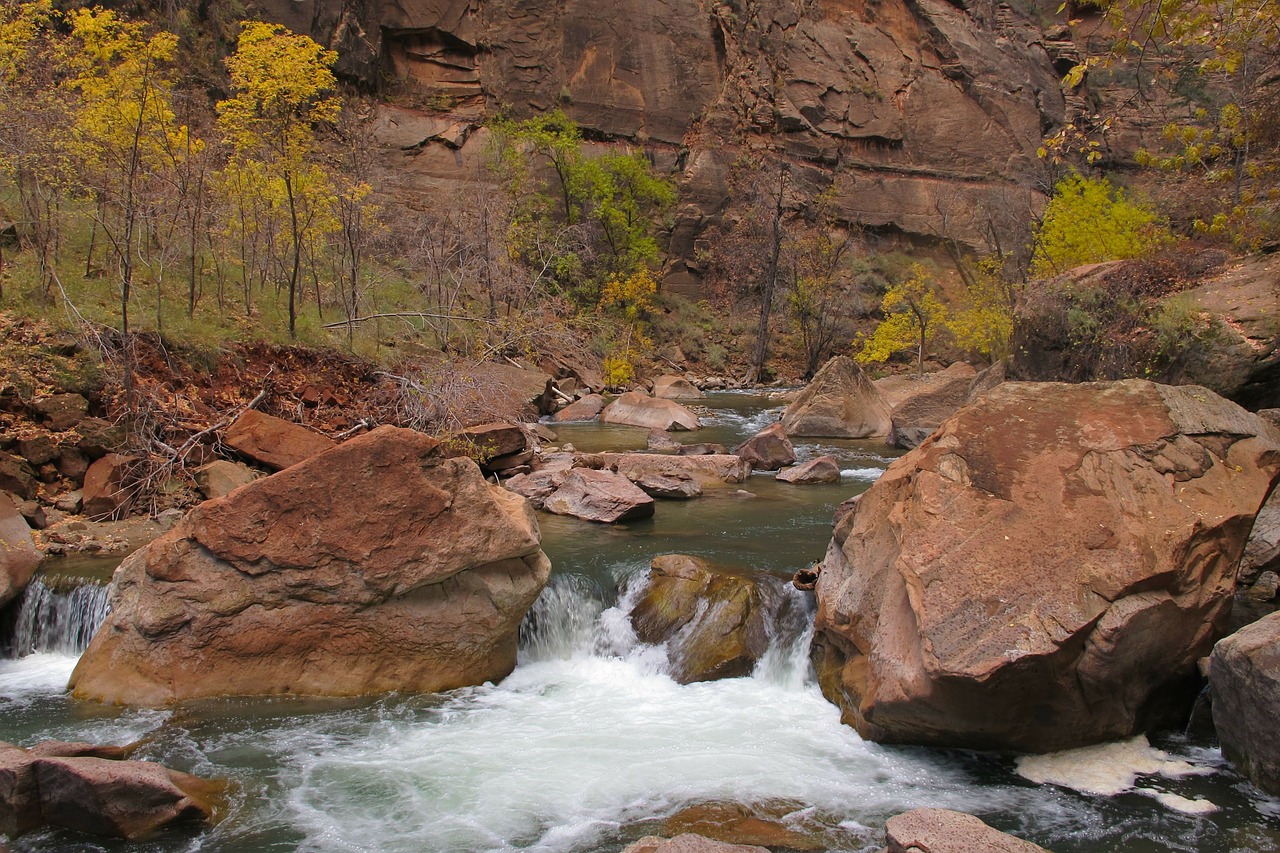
[840,402]
[946,831]
[714,622]
[735,824]
[1045,571]
[635,409]
[376,566]
[1244,681]
[90,789]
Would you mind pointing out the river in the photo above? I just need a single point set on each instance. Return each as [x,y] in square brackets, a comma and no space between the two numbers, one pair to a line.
[589,744]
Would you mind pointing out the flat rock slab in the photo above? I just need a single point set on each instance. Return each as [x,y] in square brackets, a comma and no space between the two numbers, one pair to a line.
[708,471]
[274,442]
[91,789]
[635,409]
[946,831]
[586,409]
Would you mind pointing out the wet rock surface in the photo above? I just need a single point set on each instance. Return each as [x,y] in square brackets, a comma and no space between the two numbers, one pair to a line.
[1045,571]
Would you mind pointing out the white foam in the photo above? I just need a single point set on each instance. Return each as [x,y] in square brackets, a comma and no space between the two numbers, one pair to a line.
[1106,769]
[43,672]
[1179,803]
[861,473]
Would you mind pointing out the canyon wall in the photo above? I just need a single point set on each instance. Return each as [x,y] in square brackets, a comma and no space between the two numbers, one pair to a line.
[923,115]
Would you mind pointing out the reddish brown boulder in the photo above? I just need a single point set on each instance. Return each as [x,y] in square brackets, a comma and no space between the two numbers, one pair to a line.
[669,486]
[273,442]
[106,494]
[635,409]
[824,469]
[599,496]
[586,409]
[1046,569]
[919,404]
[839,402]
[946,831]
[37,449]
[18,553]
[768,450]
[17,477]
[375,566]
[90,789]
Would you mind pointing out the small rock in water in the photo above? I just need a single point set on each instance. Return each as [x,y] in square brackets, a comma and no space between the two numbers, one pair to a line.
[688,843]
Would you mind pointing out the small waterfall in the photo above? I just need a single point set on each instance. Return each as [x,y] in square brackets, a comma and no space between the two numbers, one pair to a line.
[563,620]
[571,618]
[57,615]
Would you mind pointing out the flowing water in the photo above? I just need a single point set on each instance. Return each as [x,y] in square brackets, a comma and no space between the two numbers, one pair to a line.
[589,744]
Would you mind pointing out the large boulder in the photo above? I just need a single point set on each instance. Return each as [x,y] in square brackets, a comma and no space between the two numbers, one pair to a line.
[1046,569]
[839,402]
[18,477]
[594,495]
[947,831]
[1244,682]
[18,553]
[89,789]
[713,622]
[635,409]
[919,404]
[376,566]
[768,450]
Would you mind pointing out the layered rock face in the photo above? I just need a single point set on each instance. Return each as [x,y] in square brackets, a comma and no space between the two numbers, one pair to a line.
[1046,569]
[921,113]
[375,566]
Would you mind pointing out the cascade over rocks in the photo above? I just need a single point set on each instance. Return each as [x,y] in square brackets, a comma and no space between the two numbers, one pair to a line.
[376,566]
[1244,682]
[635,409]
[1045,570]
[713,621]
[839,402]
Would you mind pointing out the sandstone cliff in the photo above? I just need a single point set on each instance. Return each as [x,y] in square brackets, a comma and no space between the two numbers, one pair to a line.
[924,114]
